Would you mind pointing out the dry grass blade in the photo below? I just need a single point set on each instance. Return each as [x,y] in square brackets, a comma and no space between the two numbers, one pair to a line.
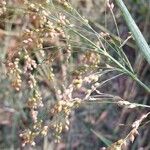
[130,137]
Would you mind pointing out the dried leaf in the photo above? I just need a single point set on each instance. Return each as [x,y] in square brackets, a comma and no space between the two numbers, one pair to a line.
[117,145]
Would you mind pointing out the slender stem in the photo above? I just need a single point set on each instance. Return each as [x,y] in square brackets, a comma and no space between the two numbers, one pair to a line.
[142,84]
[133,76]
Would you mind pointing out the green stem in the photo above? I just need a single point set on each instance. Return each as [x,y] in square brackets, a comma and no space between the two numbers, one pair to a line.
[142,84]
[116,62]
[140,40]
[133,76]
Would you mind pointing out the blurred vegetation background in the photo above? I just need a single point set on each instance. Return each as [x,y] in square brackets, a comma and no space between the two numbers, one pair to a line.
[92,126]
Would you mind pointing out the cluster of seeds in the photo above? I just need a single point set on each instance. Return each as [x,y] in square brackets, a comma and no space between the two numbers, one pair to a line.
[91,58]
[14,72]
[2,7]
[35,101]
[28,136]
[62,110]
[43,56]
